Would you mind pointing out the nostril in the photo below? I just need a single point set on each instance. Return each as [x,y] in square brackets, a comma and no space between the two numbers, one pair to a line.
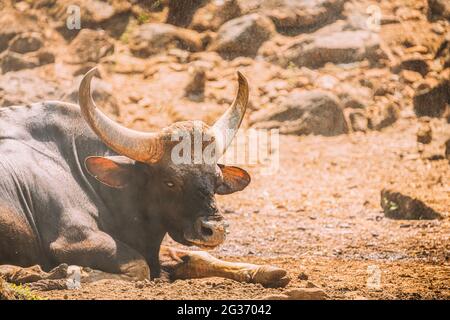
[207,232]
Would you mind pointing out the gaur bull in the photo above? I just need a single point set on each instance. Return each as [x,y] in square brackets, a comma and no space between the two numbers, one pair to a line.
[77,188]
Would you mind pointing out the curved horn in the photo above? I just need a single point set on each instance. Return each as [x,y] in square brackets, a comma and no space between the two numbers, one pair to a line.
[141,146]
[228,124]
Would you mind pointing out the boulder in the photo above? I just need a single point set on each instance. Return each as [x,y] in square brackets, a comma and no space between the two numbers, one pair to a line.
[242,36]
[13,61]
[214,14]
[13,23]
[335,47]
[358,120]
[152,38]
[181,12]
[294,16]
[195,89]
[26,42]
[382,115]
[431,97]
[413,63]
[111,15]
[305,112]
[440,8]
[89,46]
[399,206]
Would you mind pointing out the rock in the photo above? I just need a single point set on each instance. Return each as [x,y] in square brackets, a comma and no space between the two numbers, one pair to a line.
[353,96]
[358,121]
[398,206]
[306,294]
[411,76]
[26,42]
[302,276]
[181,12]
[89,46]
[292,17]
[13,23]
[152,38]
[440,8]
[414,63]
[111,15]
[335,47]
[382,115]
[443,52]
[424,134]
[25,87]
[299,294]
[306,112]
[12,61]
[447,149]
[214,14]
[102,93]
[242,36]
[431,97]
[195,89]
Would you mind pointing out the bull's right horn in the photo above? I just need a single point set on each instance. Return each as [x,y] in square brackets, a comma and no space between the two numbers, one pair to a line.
[140,146]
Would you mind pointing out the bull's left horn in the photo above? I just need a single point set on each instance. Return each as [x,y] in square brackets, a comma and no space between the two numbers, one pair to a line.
[141,146]
[226,127]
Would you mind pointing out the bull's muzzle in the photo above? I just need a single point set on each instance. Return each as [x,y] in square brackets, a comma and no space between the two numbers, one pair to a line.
[208,232]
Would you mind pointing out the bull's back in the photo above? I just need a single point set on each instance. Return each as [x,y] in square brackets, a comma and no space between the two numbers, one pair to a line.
[39,162]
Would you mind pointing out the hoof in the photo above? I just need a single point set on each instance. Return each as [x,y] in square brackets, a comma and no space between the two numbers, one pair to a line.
[270,277]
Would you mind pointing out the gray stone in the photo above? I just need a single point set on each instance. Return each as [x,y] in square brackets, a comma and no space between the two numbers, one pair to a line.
[242,36]
[294,16]
[26,42]
[440,8]
[382,115]
[308,112]
[335,47]
[214,14]
[13,23]
[89,46]
[152,38]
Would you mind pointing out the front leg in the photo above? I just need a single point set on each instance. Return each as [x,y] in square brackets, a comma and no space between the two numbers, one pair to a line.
[183,264]
[98,250]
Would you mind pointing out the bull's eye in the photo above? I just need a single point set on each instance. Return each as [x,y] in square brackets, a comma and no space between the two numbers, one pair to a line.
[170,184]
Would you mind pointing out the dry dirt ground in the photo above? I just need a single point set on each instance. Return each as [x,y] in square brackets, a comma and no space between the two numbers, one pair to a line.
[320,216]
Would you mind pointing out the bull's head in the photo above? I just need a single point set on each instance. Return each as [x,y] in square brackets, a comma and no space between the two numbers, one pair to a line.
[185,192]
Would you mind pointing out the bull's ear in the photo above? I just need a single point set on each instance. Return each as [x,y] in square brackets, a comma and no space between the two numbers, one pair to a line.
[234,179]
[114,171]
